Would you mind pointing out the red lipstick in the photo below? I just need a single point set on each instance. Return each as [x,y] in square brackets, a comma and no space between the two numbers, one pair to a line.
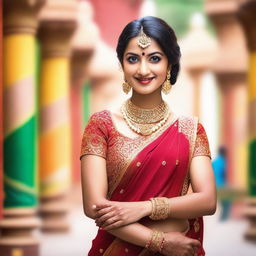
[145,81]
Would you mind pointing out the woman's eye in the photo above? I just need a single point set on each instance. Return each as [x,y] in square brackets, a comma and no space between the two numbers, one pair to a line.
[132,59]
[155,59]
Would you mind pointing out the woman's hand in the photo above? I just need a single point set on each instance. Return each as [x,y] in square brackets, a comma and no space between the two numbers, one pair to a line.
[177,244]
[112,214]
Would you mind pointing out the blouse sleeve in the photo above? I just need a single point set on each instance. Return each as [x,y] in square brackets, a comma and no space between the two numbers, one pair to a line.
[94,141]
[201,143]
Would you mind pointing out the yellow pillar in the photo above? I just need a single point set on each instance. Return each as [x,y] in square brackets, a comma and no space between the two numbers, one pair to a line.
[20,151]
[246,14]
[55,33]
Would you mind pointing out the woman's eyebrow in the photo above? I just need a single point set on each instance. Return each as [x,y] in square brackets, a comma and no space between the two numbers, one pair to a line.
[149,54]
[155,53]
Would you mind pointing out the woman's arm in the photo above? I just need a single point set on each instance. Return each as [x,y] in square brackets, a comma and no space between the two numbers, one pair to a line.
[94,189]
[199,203]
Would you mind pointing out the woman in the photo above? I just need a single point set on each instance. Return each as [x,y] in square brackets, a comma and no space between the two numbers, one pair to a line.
[138,161]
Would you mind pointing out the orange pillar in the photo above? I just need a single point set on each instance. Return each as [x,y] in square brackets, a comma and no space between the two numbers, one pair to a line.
[57,25]
[1,112]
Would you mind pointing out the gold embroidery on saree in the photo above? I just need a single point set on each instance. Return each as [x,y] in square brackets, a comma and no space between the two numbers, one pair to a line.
[127,150]
[188,126]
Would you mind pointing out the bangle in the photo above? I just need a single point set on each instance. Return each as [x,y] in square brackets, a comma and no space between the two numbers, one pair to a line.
[162,245]
[156,241]
[160,208]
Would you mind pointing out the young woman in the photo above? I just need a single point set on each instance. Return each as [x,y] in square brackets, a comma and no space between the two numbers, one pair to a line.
[139,160]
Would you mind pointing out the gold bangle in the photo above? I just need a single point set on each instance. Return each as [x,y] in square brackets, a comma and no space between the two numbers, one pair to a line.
[156,241]
[160,208]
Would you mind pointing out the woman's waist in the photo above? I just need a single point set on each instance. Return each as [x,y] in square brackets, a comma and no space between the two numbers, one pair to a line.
[167,225]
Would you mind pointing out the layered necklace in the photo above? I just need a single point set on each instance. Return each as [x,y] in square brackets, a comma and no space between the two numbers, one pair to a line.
[144,121]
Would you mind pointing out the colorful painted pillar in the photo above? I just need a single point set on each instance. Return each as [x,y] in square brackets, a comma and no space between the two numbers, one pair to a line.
[246,14]
[1,111]
[20,129]
[231,79]
[57,25]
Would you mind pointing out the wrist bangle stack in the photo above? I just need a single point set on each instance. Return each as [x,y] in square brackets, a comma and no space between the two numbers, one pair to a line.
[156,241]
[160,208]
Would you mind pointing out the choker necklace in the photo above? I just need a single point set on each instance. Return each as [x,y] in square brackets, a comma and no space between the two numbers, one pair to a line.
[145,121]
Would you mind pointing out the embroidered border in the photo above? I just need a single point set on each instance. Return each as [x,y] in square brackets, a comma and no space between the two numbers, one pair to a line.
[188,126]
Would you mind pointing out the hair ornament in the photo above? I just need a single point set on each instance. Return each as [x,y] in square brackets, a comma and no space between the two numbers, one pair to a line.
[143,40]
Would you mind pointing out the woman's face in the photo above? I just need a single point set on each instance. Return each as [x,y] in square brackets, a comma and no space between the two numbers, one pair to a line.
[145,69]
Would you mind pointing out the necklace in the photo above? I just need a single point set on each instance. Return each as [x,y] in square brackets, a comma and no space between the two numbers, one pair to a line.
[145,121]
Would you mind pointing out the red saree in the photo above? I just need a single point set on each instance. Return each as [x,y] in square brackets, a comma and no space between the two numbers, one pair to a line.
[144,167]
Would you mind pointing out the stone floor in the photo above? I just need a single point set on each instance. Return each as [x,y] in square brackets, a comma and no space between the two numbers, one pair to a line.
[221,238]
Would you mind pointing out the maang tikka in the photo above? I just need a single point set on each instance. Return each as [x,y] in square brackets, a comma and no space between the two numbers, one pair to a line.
[143,40]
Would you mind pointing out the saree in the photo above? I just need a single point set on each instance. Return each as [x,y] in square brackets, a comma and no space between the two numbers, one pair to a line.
[144,167]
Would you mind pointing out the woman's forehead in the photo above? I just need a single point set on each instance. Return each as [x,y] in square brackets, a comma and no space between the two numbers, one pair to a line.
[134,47]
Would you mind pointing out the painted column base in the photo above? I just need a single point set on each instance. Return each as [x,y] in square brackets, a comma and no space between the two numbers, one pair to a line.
[53,212]
[250,214]
[17,233]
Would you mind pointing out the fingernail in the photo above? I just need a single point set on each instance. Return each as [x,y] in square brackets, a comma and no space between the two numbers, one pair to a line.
[94,206]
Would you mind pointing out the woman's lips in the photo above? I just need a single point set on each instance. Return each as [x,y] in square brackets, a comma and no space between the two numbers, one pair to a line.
[144,81]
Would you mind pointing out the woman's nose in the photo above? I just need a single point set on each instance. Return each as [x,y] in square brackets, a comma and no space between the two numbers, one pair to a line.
[143,68]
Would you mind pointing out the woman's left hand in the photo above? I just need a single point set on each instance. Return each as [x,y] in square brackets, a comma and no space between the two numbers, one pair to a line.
[113,214]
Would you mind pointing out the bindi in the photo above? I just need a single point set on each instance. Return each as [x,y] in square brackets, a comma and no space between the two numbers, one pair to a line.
[143,53]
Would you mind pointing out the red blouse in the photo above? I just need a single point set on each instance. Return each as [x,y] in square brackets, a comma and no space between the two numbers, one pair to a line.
[101,138]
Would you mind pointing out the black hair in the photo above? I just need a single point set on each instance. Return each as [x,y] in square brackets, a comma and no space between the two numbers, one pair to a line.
[158,30]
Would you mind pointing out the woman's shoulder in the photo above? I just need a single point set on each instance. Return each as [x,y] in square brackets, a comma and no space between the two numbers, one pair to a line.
[100,116]
[188,120]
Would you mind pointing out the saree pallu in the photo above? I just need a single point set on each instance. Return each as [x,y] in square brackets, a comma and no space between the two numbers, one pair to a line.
[159,169]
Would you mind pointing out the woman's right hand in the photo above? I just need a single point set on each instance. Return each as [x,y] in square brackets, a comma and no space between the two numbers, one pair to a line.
[177,244]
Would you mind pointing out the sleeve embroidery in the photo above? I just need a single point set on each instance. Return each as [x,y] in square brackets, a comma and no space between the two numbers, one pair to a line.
[94,141]
[201,144]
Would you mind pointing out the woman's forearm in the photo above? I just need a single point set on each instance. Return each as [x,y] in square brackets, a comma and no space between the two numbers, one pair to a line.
[134,233]
[188,206]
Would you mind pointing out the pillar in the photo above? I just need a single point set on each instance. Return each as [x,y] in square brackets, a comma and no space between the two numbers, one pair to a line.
[198,54]
[20,129]
[57,25]
[230,70]
[83,44]
[246,14]
[1,112]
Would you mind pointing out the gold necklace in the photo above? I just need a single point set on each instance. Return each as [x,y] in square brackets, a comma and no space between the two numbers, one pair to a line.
[144,121]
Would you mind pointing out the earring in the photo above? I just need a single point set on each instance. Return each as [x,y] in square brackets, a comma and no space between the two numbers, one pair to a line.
[126,87]
[166,87]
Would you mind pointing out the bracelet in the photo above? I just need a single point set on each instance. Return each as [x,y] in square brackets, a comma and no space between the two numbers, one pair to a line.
[162,245]
[160,208]
[156,241]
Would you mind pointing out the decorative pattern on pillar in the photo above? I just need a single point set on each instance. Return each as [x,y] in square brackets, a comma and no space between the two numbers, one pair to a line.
[20,130]
[246,15]
[1,111]
[231,77]
[55,133]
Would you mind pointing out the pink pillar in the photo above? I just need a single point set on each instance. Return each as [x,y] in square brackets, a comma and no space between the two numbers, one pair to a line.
[112,15]
[79,62]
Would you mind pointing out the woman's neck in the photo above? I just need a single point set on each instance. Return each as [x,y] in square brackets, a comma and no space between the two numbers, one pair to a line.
[147,101]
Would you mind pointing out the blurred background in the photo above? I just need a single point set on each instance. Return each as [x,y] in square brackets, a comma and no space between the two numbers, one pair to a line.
[58,66]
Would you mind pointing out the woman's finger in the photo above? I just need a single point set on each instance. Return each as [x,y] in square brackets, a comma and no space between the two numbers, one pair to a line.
[104,218]
[103,211]
[114,225]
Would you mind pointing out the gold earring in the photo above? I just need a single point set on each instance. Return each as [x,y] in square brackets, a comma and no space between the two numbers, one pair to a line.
[166,87]
[126,87]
